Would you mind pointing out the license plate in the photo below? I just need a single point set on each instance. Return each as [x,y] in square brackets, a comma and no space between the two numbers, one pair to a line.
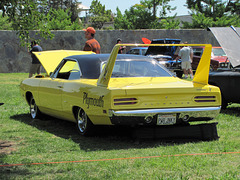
[166,119]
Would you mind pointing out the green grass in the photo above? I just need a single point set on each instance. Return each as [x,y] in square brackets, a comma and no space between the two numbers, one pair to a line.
[53,140]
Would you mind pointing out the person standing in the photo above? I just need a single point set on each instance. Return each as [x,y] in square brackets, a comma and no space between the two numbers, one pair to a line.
[36,65]
[186,55]
[121,48]
[91,43]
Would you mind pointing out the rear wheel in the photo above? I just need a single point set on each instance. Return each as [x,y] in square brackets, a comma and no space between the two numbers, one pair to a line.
[84,125]
[34,111]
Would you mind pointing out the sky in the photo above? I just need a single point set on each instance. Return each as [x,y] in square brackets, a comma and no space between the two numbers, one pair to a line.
[126,4]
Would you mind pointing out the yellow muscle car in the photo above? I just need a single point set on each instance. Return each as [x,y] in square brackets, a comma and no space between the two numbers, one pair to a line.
[119,89]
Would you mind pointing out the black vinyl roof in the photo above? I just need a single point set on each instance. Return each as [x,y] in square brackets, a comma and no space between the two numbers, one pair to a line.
[90,64]
[104,57]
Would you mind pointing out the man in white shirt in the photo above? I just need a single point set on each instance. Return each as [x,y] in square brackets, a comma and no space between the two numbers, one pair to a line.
[186,56]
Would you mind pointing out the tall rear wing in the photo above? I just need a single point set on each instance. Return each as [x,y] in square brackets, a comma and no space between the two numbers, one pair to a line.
[201,75]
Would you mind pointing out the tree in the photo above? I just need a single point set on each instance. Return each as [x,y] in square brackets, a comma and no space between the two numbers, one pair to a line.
[4,23]
[119,20]
[234,7]
[141,16]
[24,16]
[137,17]
[199,20]
[209,13]
[98,15]
[169,23]
[210,8]
[61,20]
[155,4]
[72,5]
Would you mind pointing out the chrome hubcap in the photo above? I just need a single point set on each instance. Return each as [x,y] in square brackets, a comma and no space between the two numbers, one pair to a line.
[33,109]
[82,121]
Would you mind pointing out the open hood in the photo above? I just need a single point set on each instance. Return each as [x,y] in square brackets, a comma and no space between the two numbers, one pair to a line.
[229,39]
[163,50]
[51,59]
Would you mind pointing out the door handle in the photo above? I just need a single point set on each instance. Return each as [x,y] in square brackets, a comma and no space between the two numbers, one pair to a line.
[60,86]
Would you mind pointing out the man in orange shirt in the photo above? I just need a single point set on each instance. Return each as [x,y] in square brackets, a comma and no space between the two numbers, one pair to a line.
[91,43]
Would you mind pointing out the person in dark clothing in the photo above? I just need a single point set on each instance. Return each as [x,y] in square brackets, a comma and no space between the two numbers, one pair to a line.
[36,65]
[120,51]
[91,43]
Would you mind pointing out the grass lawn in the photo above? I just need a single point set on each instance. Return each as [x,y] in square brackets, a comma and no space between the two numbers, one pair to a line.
[111,155]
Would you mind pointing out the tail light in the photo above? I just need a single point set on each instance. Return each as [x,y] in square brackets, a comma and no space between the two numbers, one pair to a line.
[125,101]
[205,99]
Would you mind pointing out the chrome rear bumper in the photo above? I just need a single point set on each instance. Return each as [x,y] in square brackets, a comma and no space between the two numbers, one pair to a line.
[192,113]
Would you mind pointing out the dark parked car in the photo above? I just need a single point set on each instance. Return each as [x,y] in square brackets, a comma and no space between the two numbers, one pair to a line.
[163,54]
[228,82]
[228,79]
[166,55]
[176,66]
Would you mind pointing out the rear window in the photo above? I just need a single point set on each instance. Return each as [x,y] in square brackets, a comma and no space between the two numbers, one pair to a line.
[139,69]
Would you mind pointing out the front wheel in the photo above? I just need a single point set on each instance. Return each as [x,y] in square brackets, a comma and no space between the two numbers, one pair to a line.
[34,111]
[84,125]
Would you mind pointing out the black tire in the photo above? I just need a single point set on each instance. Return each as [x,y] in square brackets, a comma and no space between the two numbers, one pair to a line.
[34,111]
[84,125]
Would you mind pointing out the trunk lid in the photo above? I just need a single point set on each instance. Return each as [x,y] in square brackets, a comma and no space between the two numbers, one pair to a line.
[162,93]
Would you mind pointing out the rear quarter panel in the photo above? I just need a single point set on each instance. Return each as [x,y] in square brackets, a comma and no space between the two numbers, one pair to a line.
[30,85]
[94,100]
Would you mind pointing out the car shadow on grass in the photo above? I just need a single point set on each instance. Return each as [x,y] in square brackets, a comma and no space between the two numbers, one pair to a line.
[232,110]
[105,138]
[12,172]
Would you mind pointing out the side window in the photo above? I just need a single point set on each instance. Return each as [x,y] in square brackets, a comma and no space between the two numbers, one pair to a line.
[75,72]
[55,73]
[136,51]
[197,51]
[131,51]
[70,70]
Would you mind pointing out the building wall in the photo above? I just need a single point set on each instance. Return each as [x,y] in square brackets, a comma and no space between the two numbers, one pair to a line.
[14,58]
